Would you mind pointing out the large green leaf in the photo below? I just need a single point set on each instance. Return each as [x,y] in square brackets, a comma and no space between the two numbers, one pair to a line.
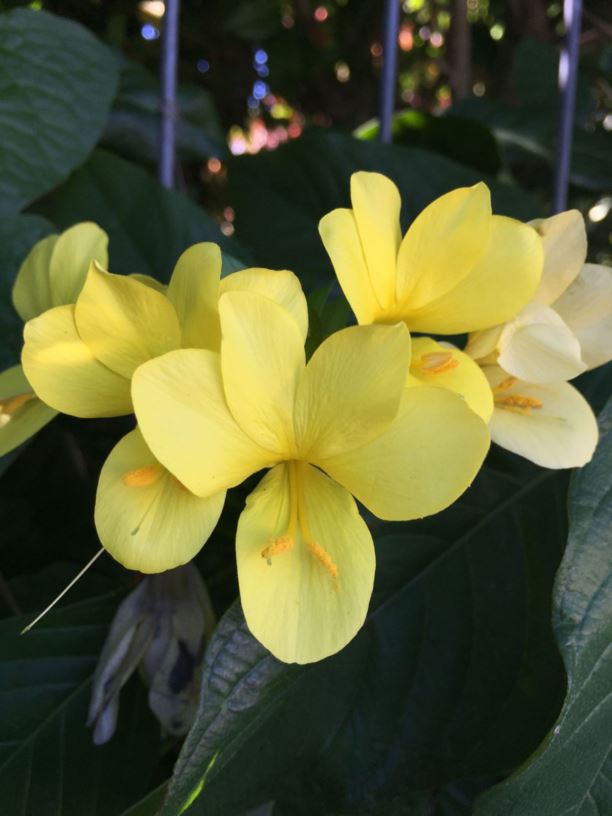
[456,651]
[571,773]
[148,225]
[57,83]
[48,762]
[280,196]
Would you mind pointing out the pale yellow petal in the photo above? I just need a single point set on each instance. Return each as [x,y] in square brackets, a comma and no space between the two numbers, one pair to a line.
[482,344]
[304,606]
[279,285]
[565,246]
[145,518]
[262,358]
[376,208]
[422,463]
[32,288]
[550,424]
[149,281]
[497,287]
[444,366]
[194,291]
[183,415]
[124,322]
[537,346]
[351,388]
[338,231]
[22,414]
[64,373]
[72,255]
[443,245]
[586,307]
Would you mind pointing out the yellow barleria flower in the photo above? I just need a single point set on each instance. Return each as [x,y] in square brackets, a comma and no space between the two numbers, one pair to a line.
[342,424]
[458,268]
[80,360]
[52,274]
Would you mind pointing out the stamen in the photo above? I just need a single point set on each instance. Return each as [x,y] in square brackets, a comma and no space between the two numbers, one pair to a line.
[11,405]
[142,476]
[435,362]
[518,401]
[323,557]
[505,384]
[285,542]
[277,546]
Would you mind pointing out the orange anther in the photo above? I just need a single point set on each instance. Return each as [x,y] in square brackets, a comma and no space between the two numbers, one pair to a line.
[142,476]
[435,362]
[323,557]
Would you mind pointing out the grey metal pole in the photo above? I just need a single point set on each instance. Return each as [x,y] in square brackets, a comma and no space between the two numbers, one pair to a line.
[568,76]
[169,59]
[389,68]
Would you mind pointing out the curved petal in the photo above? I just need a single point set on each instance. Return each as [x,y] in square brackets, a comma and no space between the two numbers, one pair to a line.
[376,209]
[443,245]
[149,281]
[586,307]
[262,357]
[22,414]
[444,366]
[124,322]
[72,255]
[194,292]
[539,347]
[497,287]
[279,285]
[64,373]
[145,518]
[565,247]
[550,424]
[184,418]
[338,231]
[292,602]
[351,389]
[32,289]
[483,344]
[422,463]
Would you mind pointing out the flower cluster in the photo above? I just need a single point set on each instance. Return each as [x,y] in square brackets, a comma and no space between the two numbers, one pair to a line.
[215,371]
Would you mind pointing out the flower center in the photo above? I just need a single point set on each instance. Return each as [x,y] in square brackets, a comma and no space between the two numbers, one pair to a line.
[298,522]
[519,403]
[11,405]
[436,362]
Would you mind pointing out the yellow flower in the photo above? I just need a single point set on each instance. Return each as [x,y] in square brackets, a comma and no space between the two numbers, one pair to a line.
[565,330]
[342,424]
[52,274]
[80,360]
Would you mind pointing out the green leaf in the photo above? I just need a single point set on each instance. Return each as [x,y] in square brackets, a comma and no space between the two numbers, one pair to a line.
[571,772]
[57,83]
[456,651]
[279,196]
[148,226]
[48,763]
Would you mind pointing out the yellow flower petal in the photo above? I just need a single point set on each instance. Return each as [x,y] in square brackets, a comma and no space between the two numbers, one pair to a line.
[149,281]
[146,519]
[483,344]
[422,463]
[32,288]
[442,246]
[444,366]
[565,247]
[376,209]
[194,291]
[279,285]
[537,346]
[351,388]
[22,414]
[64,373]
[293,603]
[586,307]
[500,283]
[550,424]
[124,322]
[72,255]
[262,357]
[183,415]
[338,231]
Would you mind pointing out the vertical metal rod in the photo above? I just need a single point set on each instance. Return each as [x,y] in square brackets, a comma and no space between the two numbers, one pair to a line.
[169,59]
[568,75]
[389,68]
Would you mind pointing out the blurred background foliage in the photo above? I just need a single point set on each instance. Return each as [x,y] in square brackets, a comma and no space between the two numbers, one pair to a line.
[456,677]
